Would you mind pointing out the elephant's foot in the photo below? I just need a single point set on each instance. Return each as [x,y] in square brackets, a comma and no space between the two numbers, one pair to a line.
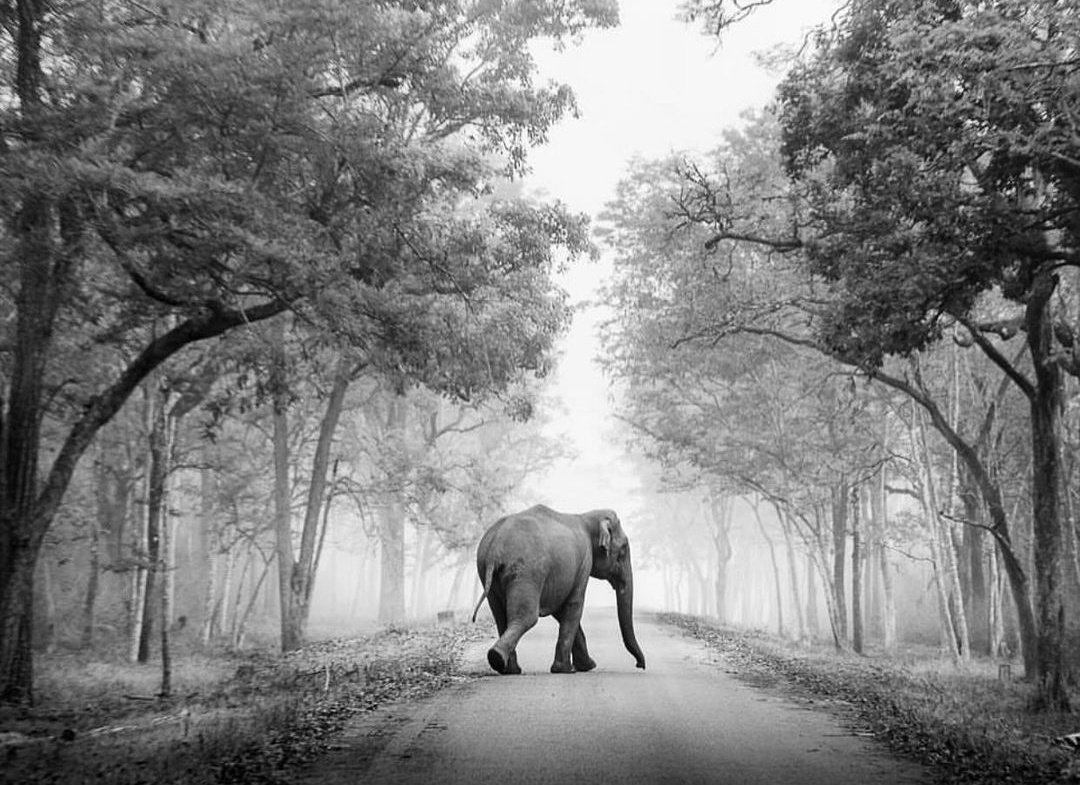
[503,664]
[584,664]
[496,661]
[561,667]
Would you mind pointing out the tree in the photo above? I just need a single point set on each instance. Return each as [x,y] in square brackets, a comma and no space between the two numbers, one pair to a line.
[930,139]
[293,186]
[692,337]
[931,186]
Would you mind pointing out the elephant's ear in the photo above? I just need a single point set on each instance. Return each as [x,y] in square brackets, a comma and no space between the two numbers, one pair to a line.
[605,534]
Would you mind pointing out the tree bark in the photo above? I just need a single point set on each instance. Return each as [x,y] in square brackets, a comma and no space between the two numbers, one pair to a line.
[973,580]
[210,549]
[160,453]
[839,540]
[291,636]
[93,575]
[856,574]
[813,625]
[1050,693]
[879,507]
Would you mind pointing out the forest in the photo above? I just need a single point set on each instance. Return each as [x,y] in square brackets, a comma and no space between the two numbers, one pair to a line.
[279,326]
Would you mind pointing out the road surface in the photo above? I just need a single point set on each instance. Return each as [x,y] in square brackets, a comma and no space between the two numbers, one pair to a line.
[684,720]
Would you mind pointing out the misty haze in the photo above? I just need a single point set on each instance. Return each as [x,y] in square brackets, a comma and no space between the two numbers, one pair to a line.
[529,391]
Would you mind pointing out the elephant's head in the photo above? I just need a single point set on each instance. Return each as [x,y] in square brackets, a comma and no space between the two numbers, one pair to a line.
[611,562]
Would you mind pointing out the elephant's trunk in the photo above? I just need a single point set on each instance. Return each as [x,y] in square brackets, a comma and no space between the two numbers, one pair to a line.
[624,603]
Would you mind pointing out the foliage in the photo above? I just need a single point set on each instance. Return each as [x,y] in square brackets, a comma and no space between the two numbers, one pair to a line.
[929,138]
[179,172]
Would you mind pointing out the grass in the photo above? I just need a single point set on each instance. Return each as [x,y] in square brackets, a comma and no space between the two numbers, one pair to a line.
[235,718]
[968,725]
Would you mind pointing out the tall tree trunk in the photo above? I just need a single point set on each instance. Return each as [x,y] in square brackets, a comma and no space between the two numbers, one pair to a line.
[953,630]
[793,575]
[856,573]
[40,274]
[93,576]
[973,579]
[297,575]
[160,453]
[453,599]
[997,616]
[776,573]
[719,507]
[303,571]
[1050,693]
[137,590]
[291,634]
[238,595]
[839,541]
[420,570]
[392,563]
[221,624]
[995,508]
[211,547]
[888,595]
[392,531]
[45,594]
[167,586]
[813,624]
[879,505]
[241,625]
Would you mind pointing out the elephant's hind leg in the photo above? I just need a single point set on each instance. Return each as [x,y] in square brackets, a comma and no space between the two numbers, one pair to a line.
[522,613]
[496,660]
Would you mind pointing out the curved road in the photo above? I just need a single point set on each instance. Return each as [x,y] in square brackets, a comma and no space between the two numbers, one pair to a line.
[684,720]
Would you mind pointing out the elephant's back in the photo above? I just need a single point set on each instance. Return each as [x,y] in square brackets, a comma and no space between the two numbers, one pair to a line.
[538,524]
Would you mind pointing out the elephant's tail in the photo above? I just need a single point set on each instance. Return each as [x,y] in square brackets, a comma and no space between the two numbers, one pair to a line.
[487,585]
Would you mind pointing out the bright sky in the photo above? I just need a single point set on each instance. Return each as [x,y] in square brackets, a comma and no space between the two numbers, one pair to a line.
[647,88]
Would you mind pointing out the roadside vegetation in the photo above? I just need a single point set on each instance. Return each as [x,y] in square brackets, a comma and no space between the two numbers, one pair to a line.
[234,718]
[967,723]
[255,717]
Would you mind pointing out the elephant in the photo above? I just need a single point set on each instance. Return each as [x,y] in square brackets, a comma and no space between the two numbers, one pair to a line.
[538,563]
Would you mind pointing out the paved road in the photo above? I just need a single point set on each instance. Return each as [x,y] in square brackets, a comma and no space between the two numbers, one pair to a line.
[684,720]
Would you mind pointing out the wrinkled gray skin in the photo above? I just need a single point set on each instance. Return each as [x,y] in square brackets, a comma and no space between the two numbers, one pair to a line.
[538,563]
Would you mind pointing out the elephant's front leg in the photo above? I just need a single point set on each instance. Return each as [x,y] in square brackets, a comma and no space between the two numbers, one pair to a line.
[579,654]
[569,618]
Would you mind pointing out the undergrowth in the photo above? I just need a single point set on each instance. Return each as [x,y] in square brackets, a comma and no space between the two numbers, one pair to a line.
[240,719]
[965,723]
